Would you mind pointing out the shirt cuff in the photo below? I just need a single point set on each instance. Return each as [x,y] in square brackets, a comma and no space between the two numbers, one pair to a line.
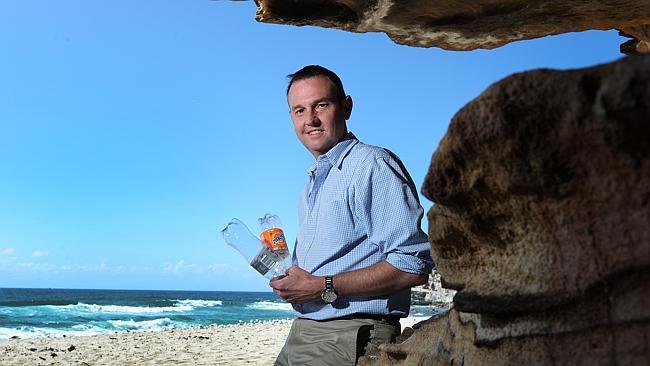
[409,263]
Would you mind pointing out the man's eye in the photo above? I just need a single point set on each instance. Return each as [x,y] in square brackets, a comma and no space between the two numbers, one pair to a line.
[298,112]
[321,105]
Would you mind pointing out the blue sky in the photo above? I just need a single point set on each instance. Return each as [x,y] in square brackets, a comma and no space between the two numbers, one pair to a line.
[131,132]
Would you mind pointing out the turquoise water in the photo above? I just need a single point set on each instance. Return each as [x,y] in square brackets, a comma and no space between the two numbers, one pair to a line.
[32,313]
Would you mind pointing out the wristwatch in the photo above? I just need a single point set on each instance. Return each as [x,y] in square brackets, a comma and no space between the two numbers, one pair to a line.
[329,295]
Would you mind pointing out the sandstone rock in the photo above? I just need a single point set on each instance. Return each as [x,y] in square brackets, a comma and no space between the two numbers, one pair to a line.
[542,191]
[640,42]
[543,187]
[449,340]
[462,25]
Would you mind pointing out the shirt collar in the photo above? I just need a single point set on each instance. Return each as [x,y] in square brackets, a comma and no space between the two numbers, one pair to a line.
[336,154]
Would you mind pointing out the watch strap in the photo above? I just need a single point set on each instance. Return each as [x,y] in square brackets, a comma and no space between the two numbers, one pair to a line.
[329,283]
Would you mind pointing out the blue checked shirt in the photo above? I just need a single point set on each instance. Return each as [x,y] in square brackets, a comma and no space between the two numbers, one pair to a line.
[359,208]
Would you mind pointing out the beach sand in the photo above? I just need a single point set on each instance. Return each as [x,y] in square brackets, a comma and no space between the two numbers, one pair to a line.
[241,344]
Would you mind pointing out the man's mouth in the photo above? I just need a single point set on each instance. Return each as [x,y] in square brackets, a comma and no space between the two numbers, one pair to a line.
[314,132]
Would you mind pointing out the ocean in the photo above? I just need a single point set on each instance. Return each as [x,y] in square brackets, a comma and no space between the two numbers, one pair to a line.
[36,313]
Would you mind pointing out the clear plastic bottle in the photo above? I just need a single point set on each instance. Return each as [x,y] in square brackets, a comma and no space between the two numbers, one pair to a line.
[261,257]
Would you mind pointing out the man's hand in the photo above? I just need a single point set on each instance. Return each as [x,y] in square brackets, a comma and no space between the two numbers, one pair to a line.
[298,286]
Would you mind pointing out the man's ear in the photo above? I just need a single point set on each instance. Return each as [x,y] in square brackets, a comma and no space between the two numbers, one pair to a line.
[347,107]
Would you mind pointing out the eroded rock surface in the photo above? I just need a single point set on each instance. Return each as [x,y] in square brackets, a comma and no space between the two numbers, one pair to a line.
[542,222]
[543,187]
[464,25]
[449,340]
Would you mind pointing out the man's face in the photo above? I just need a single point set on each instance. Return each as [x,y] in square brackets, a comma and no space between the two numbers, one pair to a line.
[317,114]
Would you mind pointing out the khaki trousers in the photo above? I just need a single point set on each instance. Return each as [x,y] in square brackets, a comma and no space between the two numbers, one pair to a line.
[333,342]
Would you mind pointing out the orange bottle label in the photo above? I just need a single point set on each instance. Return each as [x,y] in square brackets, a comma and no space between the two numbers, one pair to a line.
[274,239]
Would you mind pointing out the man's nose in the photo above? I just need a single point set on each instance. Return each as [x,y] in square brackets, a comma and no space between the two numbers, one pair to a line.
[313,119]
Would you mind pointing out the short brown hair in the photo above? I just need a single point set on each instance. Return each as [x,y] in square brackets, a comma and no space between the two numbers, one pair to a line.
[311,71]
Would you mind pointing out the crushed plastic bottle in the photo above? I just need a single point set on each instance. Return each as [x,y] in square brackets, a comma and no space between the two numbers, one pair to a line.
[263,258]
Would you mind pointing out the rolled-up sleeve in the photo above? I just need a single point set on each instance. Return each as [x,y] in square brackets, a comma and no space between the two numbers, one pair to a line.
[387,204]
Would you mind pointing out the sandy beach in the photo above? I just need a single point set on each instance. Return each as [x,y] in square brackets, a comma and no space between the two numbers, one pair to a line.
[241,344]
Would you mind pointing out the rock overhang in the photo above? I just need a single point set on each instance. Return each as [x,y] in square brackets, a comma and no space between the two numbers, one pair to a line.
[465,25]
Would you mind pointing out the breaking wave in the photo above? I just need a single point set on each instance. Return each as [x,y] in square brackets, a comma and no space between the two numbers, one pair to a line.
[271,305]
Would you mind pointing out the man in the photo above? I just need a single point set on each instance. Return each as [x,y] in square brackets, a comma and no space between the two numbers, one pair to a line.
[360,247]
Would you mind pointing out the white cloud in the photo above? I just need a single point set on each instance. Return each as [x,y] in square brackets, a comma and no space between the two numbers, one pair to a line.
[222,267]
[7,251]
[40,253]
[60,268]
[39,267]
[181,266]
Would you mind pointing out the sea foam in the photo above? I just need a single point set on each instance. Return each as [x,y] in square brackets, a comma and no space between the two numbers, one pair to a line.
[93,308]
[198,303]
[39,332]
[154,324]
[270,305]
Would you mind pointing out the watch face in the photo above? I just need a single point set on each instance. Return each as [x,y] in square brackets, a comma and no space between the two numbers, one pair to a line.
[329,296]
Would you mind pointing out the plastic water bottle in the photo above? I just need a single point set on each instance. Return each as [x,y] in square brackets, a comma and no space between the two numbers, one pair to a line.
[261,257]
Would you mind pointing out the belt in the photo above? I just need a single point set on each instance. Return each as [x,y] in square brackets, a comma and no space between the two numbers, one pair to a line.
[380,317]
